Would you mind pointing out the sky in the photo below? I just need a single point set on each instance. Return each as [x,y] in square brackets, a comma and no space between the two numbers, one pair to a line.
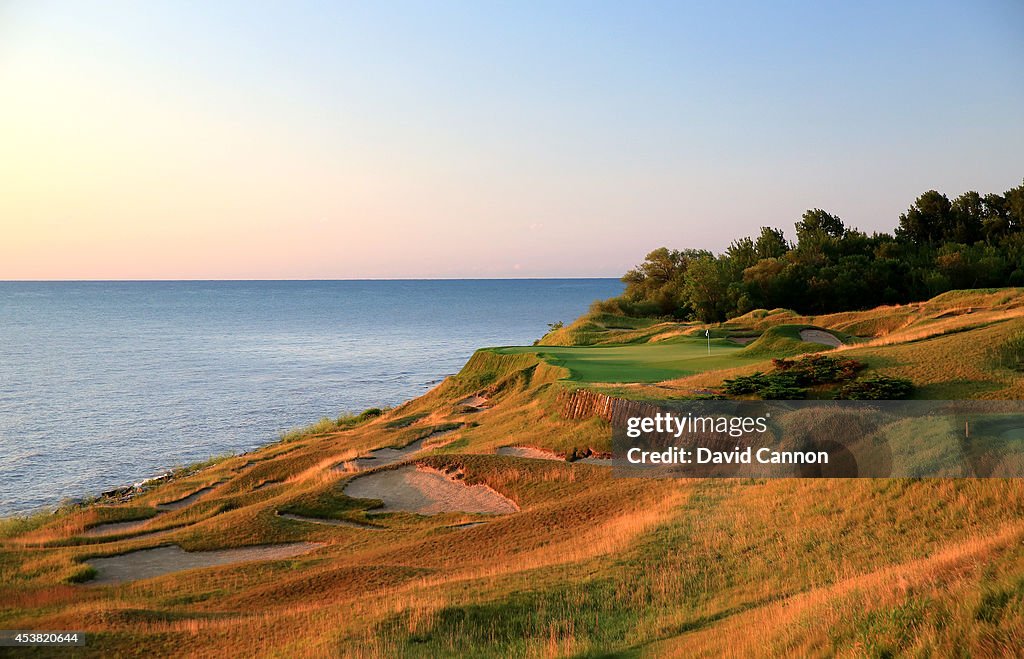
[337,140]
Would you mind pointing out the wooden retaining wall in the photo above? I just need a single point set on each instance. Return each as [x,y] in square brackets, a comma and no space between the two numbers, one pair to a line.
[583,404]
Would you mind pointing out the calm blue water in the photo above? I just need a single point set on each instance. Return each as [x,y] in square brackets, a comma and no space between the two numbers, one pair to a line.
[106,383]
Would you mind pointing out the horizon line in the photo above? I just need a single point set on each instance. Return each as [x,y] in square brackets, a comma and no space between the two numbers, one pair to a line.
[296,279]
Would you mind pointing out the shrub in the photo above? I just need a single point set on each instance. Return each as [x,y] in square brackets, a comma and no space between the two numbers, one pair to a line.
[781,391]
[791,377]
[878,387]
[746,384]
[819,369]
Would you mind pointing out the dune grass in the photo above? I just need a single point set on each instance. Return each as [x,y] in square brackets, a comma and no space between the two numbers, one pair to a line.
[591,565]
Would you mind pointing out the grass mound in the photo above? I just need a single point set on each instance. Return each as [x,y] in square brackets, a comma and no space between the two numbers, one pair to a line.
[785,341]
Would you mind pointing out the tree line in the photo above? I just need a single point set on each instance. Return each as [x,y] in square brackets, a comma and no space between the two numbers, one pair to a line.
[972,241]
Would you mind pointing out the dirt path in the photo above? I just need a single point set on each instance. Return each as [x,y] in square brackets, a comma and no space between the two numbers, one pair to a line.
[148,563]
[427,492]
[821,337]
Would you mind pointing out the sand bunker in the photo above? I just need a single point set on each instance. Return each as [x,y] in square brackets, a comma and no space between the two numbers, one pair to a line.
[743,340]
[821,337]
[427,492]
[329,522]
[186,500]
[529,452]
[474,403]
[148,563]
[115,527]
[389,456]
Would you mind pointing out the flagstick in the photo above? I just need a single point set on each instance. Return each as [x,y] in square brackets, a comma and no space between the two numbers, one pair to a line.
[707,333]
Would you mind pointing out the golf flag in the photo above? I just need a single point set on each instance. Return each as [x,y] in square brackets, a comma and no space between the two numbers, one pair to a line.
[707,333]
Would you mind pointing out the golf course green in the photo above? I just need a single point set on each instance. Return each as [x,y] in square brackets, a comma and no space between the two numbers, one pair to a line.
[645,362]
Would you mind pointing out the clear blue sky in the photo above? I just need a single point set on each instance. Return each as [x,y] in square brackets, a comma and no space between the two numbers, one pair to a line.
[442,139]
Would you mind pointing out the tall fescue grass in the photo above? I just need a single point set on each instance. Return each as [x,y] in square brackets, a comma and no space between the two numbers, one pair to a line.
[1010,353]
[329,425]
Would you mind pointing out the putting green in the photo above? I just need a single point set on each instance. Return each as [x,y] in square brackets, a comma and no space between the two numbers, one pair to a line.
[645,362]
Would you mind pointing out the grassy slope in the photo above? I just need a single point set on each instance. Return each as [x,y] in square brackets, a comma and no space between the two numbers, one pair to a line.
[591,563]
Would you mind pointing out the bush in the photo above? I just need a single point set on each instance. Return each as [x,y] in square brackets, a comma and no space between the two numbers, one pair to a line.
[791,377]
[878,387]
[819,369]
[780,391]
[747,384]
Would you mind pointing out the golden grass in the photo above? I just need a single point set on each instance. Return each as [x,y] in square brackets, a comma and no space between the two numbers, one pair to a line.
[679,567]
[801,624]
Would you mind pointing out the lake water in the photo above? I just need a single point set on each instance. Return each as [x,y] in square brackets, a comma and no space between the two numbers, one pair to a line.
[106,383]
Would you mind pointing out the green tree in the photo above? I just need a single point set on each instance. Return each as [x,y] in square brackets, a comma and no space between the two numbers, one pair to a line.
[771,244]
[655,287]
[1014,200]
[929,220]
[968,214]
[816,223]
[707,288]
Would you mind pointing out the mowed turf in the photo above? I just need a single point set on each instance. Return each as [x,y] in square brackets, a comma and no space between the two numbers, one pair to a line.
[646,362]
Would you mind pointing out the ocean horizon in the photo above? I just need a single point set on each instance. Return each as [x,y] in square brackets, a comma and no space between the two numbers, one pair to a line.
[105,383]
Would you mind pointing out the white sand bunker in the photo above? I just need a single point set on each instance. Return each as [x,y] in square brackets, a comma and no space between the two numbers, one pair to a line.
[389,456]
[529,452]
[112,528]
[821,337]
[427,492]
[148,563]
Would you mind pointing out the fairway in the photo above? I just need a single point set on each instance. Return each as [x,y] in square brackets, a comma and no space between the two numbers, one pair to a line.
[644,362]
